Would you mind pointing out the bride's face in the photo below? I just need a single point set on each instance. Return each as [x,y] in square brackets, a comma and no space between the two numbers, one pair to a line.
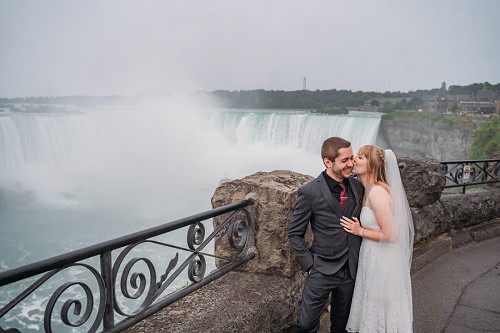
[360,164]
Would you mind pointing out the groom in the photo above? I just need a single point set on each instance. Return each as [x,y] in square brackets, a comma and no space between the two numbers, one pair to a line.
[332,260]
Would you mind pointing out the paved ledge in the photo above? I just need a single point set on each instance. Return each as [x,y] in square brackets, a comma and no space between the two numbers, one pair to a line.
[458,292]
[486,230]
[425,253]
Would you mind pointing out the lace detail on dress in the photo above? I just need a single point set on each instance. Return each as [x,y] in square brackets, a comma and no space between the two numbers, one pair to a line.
[382,300]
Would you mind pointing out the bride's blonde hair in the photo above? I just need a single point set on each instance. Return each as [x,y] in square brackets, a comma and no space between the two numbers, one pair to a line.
[376,164]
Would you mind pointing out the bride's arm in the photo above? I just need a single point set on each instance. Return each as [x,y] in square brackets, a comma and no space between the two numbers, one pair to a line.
[380,204]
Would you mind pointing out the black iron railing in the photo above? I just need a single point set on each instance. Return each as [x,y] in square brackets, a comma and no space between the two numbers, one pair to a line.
[472,172]
[101,303]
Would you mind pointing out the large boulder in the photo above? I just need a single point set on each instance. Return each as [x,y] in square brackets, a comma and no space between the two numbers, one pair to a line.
[430,220]
[275,194]
[475,206]
[423,180]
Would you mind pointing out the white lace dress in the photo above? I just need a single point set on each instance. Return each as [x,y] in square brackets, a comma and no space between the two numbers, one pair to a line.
[382,295]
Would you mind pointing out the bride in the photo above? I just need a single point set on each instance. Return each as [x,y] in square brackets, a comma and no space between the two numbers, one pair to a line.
[382,300]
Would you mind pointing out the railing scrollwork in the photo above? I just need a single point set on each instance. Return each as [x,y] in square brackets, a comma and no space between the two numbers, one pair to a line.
[76,304]
[471,172]
[121,293]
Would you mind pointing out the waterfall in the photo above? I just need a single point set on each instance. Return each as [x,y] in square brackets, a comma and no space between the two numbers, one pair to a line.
[118,152]
[301,130]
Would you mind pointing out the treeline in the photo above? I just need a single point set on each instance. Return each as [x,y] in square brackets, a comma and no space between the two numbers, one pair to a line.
[321,99]
[299,99]
[473,88]
[273,99]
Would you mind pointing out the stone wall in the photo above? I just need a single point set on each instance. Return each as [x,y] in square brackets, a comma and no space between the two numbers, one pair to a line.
[264,294]
[436,211]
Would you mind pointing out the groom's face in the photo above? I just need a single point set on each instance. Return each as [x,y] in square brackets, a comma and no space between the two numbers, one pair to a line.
[341,167]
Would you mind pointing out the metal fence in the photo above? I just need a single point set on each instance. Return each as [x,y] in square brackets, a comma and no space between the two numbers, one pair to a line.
[99,305]
[471,172]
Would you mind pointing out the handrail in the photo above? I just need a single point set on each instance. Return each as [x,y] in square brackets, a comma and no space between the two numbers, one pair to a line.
[471,172]
[237,227]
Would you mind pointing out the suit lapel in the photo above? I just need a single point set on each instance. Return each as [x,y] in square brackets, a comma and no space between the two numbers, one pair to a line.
[325,191]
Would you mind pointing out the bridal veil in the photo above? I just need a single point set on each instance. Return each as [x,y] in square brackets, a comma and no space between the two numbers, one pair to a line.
[402,213]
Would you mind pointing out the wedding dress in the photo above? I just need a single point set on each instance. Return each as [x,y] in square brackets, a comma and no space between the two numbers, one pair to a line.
[382,300]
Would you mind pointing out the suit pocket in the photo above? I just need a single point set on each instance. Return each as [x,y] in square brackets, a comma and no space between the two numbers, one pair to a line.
[328,253]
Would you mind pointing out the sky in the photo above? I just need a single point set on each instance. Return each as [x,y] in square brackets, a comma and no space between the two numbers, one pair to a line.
[143,47]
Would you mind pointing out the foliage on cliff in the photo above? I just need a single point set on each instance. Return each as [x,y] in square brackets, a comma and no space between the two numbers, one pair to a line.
[486,139]
[437,117]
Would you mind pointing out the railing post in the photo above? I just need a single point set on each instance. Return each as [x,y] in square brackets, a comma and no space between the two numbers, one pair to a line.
[108,320]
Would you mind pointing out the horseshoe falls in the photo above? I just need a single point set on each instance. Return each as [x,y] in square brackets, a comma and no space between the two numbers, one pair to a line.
[96,173]
[302,131]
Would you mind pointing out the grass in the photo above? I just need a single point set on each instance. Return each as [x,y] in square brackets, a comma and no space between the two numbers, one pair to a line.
[432,116]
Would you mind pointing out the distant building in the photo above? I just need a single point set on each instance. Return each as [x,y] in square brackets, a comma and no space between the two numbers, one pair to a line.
[483,101]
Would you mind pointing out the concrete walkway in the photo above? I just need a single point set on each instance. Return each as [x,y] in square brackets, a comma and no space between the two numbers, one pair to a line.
[460,291]
[456,282]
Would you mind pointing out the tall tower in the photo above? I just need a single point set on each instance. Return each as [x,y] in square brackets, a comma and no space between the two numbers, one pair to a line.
[304,83]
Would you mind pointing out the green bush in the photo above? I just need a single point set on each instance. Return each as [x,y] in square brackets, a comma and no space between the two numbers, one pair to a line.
[486,139]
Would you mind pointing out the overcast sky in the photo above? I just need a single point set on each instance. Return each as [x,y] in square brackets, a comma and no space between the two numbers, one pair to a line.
[96,47]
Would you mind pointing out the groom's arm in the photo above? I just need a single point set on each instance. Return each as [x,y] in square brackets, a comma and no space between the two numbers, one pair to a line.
[297,230]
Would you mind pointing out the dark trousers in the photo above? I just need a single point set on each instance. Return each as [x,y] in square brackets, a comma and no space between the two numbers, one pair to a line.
[317,288]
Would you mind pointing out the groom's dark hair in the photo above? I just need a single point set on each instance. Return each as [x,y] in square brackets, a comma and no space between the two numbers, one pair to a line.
[331,146]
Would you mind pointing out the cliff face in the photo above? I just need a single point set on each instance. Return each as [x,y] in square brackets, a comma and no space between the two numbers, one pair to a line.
[440,140]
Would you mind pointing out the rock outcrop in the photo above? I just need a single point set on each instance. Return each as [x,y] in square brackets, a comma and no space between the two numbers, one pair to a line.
[275,193]
[423,180]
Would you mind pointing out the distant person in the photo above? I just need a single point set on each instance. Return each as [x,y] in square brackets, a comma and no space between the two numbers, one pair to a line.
[332,260]
[382,300]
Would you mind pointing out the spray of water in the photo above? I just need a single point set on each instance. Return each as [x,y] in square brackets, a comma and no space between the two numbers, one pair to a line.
[142,155]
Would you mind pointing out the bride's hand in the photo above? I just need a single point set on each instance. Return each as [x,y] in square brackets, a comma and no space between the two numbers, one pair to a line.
[351,226]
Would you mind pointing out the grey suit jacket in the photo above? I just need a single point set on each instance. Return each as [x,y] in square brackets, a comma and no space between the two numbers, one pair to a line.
[332,246]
